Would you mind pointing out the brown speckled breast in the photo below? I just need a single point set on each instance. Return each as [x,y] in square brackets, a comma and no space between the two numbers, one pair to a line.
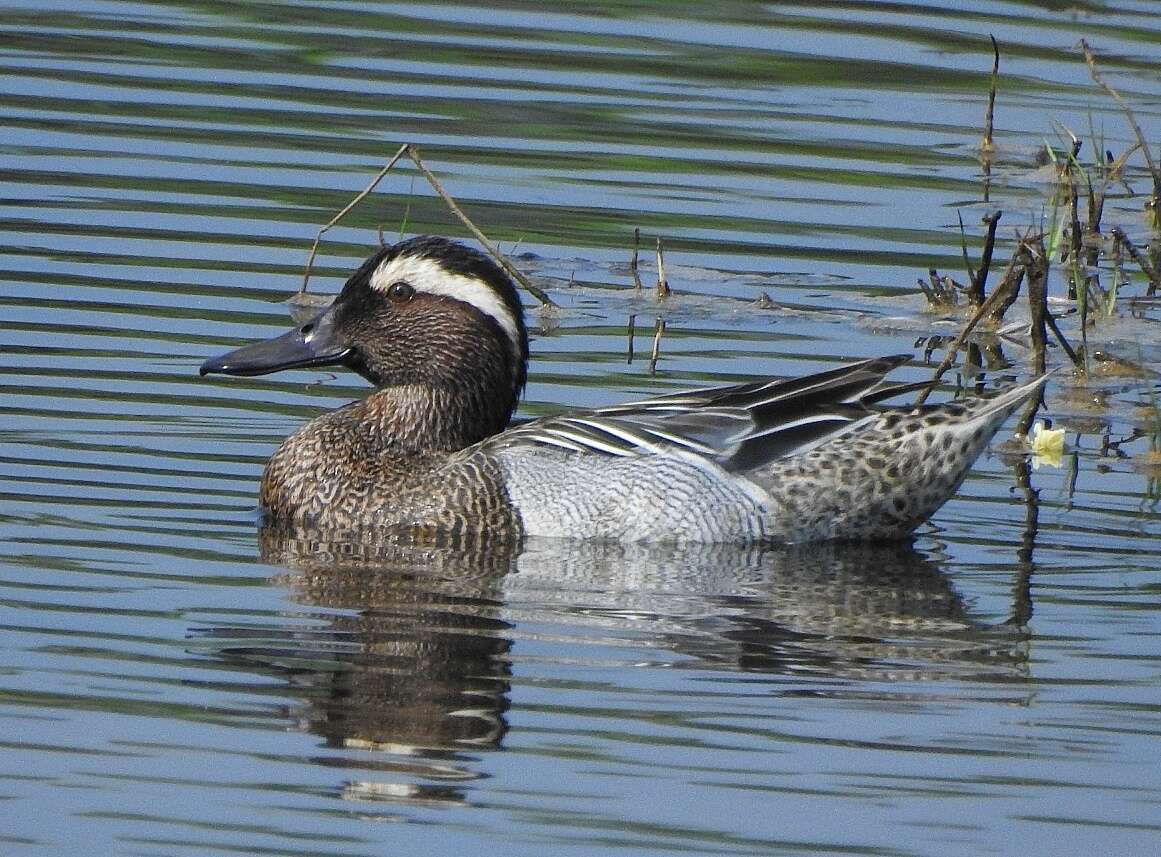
[337,473]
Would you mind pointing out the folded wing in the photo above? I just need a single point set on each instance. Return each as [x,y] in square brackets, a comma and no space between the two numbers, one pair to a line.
[740,426]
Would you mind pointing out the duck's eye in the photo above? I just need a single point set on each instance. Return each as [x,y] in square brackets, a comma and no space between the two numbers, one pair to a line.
[400,291]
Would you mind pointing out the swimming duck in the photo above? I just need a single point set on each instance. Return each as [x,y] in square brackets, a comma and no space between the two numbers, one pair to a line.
[438,329]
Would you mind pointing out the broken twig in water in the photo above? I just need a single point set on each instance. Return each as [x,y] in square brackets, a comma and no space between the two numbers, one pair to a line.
[987,144]
[634,260]
[663,290]
[537,293]
[978,278]
[410,151]
[658,332]
[1090,58]
[363,194]
[1142,262]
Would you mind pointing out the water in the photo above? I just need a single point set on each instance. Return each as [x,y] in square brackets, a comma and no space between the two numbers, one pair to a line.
[176,681]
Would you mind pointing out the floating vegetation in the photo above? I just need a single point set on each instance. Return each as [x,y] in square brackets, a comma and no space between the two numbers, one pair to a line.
[1099,268]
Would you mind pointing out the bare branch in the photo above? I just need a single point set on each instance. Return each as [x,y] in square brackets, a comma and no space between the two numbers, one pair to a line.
[1090,58]
[515,272]
[363,194]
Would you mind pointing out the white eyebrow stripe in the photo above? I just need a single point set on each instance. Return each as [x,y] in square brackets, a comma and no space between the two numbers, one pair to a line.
[427,275]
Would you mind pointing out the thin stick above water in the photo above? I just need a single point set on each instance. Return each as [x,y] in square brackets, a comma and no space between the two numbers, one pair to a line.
[410,151]
[987,143]
[516,274]
[363,194]
[1090,58]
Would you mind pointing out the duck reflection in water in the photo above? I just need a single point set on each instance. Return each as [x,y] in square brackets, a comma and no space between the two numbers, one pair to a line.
[417,666]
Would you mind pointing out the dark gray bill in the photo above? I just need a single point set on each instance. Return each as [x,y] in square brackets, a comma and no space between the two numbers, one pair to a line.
[316,343]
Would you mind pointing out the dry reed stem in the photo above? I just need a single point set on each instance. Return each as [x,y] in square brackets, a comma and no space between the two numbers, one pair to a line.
[993,220]
[1096,210]
[967,263]
[1036,280]
[413,153]
[1074,232]
[663,290]
[953,349]
[978,279]
[634,260]
[516,274]
[987,144]
[1036,265]
[655,354]
[1142,262]
[363,194]
[1010,287]
[1090,58]
[1036,277]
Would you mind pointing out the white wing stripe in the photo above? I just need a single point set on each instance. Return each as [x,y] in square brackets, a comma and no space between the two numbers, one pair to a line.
[630,437]
[585,440]
[717,424]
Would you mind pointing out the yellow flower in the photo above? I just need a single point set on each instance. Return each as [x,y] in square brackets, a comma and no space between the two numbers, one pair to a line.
[1047,445]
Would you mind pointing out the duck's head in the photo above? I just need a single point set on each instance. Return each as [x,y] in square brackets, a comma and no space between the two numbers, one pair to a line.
[427,312]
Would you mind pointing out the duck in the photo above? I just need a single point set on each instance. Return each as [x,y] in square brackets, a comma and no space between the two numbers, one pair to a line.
[438,330]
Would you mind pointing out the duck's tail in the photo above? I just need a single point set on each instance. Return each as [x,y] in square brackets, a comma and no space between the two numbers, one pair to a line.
[883,481]
[995,410]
